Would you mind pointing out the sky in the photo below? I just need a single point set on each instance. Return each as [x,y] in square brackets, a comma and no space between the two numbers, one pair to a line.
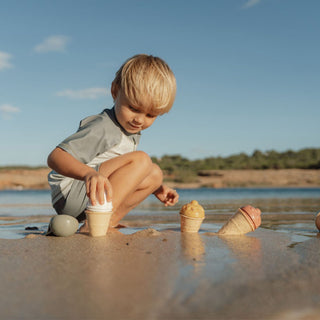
[247,71]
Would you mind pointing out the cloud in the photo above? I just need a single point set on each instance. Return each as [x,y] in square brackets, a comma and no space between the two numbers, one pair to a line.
[5,60]
[251,3]
[89,93]
[8,110]
[53,43]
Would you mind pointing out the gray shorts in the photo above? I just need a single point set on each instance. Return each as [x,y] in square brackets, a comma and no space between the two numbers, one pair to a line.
[75,202]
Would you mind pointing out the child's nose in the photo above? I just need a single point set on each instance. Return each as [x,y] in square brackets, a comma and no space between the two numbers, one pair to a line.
[138,118]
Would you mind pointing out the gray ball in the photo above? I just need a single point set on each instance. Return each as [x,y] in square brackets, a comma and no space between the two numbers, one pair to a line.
[63,225]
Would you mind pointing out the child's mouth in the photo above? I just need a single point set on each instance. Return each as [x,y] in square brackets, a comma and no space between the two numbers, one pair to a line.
[134,126]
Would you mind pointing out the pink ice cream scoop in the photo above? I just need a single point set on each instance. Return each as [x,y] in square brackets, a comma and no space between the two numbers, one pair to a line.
[246,219]
[253,215]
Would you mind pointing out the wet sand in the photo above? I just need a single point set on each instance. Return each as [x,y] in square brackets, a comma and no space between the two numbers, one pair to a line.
[159,273]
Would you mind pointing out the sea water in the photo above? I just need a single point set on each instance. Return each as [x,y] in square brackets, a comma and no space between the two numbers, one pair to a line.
[25,203]
[22,208]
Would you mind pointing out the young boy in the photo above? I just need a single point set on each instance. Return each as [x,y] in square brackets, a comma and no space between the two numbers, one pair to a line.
[101,156]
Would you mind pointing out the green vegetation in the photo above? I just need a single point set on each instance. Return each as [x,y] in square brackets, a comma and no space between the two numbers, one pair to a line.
[181,169]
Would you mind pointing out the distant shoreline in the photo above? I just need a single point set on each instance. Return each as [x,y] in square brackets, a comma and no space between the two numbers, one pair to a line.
[19,179]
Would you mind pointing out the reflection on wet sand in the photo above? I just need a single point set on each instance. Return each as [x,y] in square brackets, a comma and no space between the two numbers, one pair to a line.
[193,249]
[159,275]
[109,264]
[246,249]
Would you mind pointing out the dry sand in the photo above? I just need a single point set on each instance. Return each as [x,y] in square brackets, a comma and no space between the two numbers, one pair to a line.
[255,178]
[37,179]
[24,179]
[161,274]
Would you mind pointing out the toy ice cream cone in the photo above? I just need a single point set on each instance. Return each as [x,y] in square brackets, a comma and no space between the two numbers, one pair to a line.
[98,222]
[98,218]
[189,224]
[191,217]
[245,220]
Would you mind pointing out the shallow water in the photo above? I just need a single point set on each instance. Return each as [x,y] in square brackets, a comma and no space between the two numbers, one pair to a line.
[32,208]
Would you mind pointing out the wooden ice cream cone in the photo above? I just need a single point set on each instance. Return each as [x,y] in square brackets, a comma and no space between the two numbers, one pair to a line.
[98,222]
[189,224]
[238,224]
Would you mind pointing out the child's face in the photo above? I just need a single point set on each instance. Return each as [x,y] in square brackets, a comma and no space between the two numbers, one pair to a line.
[133,119]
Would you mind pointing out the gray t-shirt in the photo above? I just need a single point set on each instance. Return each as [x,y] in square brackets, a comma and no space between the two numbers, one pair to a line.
[98,139]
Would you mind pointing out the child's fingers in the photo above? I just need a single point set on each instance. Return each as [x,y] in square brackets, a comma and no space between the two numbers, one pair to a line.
[92,192]
[104,188]
[108,189]
[172,198]
[101,195]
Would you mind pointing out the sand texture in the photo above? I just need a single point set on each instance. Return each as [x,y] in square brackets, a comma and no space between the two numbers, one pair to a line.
[255,178]
[37,179]
[163,274]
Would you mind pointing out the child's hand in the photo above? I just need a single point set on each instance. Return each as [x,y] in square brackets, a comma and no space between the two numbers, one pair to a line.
[97,185]
[167,195]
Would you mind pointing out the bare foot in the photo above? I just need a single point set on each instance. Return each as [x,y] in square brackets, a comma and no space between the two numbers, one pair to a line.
[84,228]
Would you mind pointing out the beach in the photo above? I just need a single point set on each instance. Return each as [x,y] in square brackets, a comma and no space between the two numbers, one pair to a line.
[37,179]
[150,270]
[157,273]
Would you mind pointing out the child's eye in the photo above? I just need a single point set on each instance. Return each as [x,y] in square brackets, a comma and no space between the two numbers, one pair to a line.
[151,115]
[133,109]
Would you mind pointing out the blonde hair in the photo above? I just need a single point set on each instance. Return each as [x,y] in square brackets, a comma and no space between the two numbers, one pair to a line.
[147,82]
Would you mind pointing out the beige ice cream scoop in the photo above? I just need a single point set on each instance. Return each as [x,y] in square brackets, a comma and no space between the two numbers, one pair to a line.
[191,217]
[192,210]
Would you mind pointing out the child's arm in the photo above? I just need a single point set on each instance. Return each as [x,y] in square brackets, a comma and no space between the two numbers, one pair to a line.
[96,184]
[167,195]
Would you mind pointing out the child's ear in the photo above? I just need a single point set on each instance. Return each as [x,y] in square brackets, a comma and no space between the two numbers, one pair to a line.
[114,90]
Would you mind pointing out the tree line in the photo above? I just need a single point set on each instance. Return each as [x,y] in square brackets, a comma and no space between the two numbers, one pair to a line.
[308,158]
[178,166]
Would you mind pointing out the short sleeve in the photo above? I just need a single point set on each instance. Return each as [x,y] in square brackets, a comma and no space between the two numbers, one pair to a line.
[96,134]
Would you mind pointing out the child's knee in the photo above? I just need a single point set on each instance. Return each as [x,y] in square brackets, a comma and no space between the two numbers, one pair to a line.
[156,175]
[142,159]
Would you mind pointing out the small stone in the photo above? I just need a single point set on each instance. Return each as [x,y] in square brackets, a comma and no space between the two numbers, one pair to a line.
[31,228]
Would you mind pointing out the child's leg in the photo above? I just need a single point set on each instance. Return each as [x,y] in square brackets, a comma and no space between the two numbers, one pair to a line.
[133,177]
[150,184]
